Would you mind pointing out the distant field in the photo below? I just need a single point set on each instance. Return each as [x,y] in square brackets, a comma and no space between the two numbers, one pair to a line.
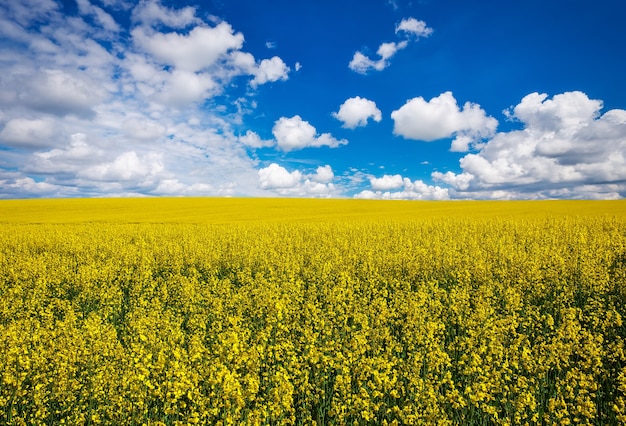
[279,311]
[226,210]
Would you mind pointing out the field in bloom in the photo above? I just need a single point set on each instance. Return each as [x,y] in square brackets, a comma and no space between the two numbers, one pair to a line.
[327,312]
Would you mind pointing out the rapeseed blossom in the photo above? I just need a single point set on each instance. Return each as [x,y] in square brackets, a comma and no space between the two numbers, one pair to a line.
[377,313]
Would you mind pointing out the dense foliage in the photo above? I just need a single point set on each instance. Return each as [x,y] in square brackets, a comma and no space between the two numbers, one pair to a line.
[510,317]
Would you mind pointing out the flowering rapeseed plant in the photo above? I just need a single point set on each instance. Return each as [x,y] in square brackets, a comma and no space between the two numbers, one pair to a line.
[201,311]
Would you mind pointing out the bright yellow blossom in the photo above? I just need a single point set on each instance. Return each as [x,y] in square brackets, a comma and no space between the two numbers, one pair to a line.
[312,312]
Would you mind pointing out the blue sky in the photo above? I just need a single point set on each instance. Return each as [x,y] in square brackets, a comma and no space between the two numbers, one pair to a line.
[420,99]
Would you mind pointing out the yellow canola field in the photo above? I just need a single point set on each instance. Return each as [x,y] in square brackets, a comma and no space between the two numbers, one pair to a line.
[328,312]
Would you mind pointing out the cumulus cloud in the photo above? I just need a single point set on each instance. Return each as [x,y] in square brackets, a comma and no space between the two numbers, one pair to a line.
[295,133]
[323,174]
[21,132]
[270,70]
[566,112]
[15,186]
[397,187]
[186,67]
[362,63]
[566,149]
[127,166]
[386,182]
[199,49]
[415,27]
[296,183]
[182,87]
[441,118]
[355,112]
[275,177]
[459,181]
[173,87]
[253,140]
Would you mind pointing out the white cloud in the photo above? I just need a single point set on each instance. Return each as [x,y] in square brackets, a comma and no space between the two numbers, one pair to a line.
[126,167]
[143,129]
[17,187]
[418,190]
[59,92]
[355,112]
[366,194]
[565,149]
[104,19]
[181,68]
[253,140]
[27,133]
[414,27]
[566,112]
[182,87]
[175,187]
[140,70]
[27,11]
[270,70]
[323,174]
[66,160]
[441,118]
[243,62]
[397,187]
[200,161]
[459,181]
[152,12]
[117,4]
[362,64]
[387,50]
[294,133]
[275,177]
[282,182]
[386,182]
[199,49]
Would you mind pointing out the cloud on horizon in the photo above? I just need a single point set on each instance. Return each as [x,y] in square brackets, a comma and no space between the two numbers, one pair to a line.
[297,184]
[396,187]
[566,149]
